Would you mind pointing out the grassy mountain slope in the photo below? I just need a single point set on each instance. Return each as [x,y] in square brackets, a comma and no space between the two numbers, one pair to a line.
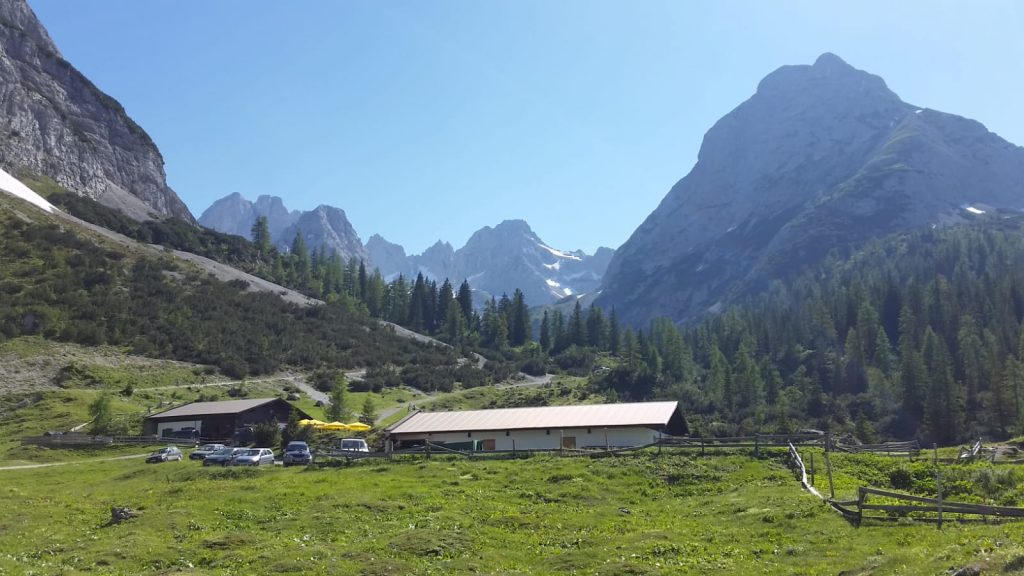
[65,282]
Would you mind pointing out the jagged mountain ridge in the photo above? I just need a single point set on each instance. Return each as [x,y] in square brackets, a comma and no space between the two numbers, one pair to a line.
[323,226]
[495,260]
[498,260]
[54,122]
[822,157]
[233,214]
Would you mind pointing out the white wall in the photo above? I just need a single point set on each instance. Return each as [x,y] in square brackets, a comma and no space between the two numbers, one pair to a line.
[545,440]
[161,426]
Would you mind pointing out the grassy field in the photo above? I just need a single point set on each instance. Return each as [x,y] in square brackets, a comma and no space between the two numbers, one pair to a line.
[641,514]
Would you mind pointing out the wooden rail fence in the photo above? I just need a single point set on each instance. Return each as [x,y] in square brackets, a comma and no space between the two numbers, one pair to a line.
[59,440]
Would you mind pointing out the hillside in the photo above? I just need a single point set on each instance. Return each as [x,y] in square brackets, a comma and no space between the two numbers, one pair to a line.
[822,157]
[74,283]
[917,335]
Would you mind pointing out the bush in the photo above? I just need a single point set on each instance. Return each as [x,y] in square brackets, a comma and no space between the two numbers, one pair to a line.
[267,434]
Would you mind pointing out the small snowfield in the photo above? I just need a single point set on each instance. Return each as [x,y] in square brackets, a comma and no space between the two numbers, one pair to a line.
[12,185]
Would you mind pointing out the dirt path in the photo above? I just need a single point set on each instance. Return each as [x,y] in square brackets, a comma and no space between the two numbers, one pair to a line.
[49,464]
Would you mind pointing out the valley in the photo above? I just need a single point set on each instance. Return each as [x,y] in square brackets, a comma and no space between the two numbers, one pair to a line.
[840,268]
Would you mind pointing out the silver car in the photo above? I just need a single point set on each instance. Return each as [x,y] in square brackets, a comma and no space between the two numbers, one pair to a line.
[253,457]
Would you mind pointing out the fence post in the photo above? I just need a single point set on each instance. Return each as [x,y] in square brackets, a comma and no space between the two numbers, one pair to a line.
[828,468]
[428,449]
[812,468]
[938,488]
[828,442]
[757,445]
[513,446]
[935,454]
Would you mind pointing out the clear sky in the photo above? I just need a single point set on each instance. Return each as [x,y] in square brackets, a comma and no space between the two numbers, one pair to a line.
[428,120]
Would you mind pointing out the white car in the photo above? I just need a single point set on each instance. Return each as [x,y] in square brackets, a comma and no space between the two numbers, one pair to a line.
[253,457]
[354,445]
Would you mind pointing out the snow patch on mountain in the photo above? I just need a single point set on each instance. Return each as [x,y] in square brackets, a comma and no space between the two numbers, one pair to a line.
[13,186]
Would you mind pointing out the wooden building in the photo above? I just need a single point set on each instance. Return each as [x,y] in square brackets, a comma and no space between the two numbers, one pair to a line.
[220,419]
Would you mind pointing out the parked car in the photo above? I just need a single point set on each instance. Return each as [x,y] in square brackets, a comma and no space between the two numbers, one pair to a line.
[253,457]
[354,445]
[297,453]
[165,455]
[205,450]
[222,457]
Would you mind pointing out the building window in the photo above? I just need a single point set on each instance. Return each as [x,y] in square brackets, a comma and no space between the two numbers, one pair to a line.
[469,434]
[548,432]
[507,433]
[588,430]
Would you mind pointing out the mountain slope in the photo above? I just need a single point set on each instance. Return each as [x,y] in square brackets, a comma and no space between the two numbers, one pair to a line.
[822,157]
[55,122]
[67,280]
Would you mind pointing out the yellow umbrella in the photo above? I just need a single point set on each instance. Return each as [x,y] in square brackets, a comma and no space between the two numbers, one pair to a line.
[335,426]
[309,422]
[358,427]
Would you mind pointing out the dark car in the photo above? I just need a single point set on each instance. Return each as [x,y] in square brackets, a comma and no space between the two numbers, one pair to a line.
[205,450]
[222,457]
[165,455]
[297,453]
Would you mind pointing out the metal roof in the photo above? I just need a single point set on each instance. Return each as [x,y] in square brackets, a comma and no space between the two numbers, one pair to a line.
[208,408]
[548,417]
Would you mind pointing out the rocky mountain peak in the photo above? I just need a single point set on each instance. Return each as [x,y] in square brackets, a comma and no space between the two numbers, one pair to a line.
[18,15]
[56,123]
[821,157]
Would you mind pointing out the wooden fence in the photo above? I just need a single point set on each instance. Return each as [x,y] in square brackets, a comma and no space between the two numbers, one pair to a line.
[911,448]
[62,440]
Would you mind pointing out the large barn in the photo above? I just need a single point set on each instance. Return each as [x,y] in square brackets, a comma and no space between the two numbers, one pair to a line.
[220,419]
[545,428]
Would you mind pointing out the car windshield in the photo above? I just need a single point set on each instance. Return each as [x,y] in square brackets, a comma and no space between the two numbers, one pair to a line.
[209,448]
[224,451]
[251,453]
[163,451]
[297,446]
[351,444]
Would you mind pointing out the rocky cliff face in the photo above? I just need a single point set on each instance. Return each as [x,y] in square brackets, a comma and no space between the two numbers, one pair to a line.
[821,158]
[55,122]
[328,227]
[387,257]
[234,214]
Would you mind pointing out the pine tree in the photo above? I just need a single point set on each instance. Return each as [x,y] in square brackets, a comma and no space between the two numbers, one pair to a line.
[545,333]
[465,299]
[614,339]
[519,325]
[261,238]
[301,263]
[369,411]
[337,410]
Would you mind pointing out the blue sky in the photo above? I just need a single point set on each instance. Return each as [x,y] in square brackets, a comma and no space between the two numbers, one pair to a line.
[429,120]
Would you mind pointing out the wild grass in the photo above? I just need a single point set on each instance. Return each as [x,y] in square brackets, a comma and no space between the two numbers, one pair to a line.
[641,514]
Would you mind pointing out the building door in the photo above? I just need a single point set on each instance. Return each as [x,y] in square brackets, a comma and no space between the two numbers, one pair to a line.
[569,442]
[487,444]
